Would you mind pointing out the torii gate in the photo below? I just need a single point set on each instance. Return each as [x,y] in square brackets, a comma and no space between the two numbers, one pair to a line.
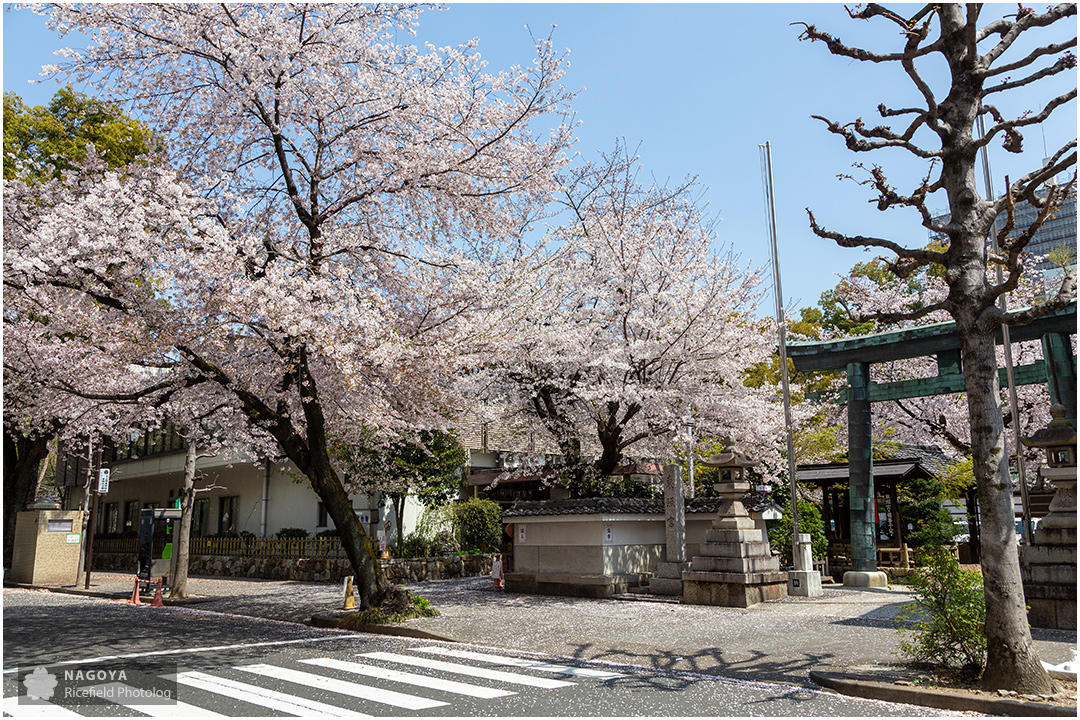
[1058,370]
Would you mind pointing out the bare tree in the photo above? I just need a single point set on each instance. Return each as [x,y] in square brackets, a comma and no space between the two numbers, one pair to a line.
[951,32]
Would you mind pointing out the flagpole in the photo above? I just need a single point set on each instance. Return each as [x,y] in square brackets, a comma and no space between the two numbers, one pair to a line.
[770,211]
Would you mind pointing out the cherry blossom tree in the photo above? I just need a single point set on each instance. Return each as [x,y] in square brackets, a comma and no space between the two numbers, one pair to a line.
[41,142]
[940,131]
[350,186]
[637,327]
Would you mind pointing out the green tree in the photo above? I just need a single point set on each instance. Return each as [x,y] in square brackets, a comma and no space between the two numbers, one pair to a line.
[921,507]
[43,141]
[479,524]
[427,466]
[809,522]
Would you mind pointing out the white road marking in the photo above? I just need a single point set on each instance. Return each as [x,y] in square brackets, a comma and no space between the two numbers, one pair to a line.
[216,648]
[116,693]
[468,670]
[364,692]
[423,681]
[265,697]
[13,708]
[518,662]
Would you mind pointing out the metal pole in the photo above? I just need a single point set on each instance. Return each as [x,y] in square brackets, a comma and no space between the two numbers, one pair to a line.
[770,210]
[1021,467]
[93,519]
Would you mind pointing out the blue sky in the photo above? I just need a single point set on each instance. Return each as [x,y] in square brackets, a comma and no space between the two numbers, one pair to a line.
[700,86]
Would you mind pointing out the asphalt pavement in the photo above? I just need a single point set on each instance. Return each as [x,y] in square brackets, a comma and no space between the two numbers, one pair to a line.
[845,630]
[210,664]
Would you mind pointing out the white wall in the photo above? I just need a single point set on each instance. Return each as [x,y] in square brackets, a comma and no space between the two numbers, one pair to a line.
[289,504]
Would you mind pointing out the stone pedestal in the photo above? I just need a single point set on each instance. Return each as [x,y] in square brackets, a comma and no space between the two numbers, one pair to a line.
[1049,565]
[736,567]
[804,581]
[861,579]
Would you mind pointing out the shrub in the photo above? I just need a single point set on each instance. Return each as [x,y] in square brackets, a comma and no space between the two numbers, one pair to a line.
[947,616]
[809,522]
[291,533]
[414,546]
[479,524]
[327,533]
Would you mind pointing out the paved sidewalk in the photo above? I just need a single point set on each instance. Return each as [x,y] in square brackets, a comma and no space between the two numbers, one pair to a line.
[846,630]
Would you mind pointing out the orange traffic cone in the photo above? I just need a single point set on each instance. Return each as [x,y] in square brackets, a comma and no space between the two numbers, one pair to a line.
[135,594]
[157,597]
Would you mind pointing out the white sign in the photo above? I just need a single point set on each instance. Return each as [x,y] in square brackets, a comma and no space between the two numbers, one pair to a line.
[103,480]
[365,517]
[73,539]
[609,535]
[521,533]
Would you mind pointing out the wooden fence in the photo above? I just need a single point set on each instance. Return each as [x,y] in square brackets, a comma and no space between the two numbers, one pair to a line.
[238,547]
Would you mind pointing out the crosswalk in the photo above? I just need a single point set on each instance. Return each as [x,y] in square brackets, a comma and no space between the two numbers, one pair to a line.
[365,685]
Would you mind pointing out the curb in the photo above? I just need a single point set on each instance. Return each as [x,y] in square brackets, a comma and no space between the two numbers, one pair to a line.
[192,600]
[928,697]
[331,621]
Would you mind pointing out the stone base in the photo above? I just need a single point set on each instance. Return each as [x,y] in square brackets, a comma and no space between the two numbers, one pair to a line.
[804,583]
[862,579]
[733,589]
[668,578]
[587,586]
[1051,606]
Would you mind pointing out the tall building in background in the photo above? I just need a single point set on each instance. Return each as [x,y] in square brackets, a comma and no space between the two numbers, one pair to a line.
[1059,231]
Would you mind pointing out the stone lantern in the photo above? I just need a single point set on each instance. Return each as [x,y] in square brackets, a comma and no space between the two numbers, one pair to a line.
[1049,564]
[736,567]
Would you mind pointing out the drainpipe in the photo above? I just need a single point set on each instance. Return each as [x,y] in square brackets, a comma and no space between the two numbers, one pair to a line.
[265,499]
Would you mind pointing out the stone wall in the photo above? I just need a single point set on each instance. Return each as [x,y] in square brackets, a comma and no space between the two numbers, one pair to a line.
[398,570]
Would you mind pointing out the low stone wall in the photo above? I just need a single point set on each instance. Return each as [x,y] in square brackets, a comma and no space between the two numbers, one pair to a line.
[398,570]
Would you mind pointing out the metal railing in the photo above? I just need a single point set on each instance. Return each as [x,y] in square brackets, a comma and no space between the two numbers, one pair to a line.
[240,547]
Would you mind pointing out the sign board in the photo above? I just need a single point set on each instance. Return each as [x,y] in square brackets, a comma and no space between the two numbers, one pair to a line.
[73,539]
[103,480]
[365,516]
[609,534]
[521,533]
[763,488]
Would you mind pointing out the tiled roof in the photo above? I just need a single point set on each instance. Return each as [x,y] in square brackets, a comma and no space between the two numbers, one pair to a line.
[607,505]
[933,460]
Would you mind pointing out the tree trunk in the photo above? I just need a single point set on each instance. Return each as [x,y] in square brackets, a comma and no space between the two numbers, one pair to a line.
[398,500]
[1011,659]
[355,541]
[183,541]
[22,459]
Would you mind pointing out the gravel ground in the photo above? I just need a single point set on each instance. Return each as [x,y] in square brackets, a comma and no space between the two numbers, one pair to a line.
[844,630]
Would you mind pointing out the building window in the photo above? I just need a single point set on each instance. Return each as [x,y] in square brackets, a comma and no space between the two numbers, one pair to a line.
[321,519]
[131,516]
[227,514]
[108,518]
[200,518]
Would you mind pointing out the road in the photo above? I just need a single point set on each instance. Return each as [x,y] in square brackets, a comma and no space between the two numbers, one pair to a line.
[221,665]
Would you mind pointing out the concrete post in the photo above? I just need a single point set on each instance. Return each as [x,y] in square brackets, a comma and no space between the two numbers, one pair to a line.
[674,514]
[864,572]
[804,583]
[668,577]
